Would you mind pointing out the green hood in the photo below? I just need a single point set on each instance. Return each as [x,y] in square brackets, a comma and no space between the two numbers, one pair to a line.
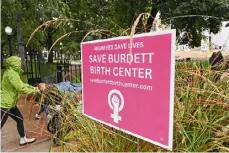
[12,85]
[14,62]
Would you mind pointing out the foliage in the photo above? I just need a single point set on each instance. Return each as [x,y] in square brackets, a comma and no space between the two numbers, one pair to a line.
[211,13]
[33,14]
[115,16]
[201,119]
[201,106]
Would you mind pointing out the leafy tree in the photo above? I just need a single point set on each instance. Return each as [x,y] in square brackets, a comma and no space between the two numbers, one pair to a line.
[209,15]
[33,14]
[114,16]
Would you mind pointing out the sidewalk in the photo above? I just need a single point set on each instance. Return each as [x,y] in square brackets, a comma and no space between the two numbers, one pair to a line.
[34,128]
[201,55]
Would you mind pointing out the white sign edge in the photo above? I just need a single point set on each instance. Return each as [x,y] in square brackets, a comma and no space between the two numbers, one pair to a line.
[172,85]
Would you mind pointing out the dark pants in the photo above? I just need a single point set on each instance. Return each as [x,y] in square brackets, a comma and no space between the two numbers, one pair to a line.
[43,104]
[42,109]
[15,114]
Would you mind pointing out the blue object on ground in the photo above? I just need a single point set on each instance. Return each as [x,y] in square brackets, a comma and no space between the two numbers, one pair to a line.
[68,86]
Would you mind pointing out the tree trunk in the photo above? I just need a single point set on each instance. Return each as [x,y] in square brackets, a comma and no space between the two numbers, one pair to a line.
[49,44]
[2,57]
[153,14]
[20,47]
[210,40]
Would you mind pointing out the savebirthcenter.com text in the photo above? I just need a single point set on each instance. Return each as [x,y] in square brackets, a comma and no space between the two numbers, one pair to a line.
[123,84]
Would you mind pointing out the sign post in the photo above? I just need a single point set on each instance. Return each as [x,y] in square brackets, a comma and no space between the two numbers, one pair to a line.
[133,92]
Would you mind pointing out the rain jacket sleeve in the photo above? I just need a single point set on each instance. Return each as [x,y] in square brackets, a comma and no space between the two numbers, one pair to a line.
[20,86]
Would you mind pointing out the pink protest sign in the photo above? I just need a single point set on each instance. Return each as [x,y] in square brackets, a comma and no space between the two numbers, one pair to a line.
[132,91]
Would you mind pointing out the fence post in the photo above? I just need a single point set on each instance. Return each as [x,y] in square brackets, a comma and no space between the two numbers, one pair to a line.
[39,57]
[71,71]
[59,72]
[27,64]
[31,66]
[35,63]
[80,72]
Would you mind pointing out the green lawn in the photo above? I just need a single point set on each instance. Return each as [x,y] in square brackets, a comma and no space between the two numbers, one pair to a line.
[204,63]
[78,61]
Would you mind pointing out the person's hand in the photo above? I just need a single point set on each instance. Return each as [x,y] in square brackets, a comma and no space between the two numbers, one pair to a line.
[42,86]
[37,89]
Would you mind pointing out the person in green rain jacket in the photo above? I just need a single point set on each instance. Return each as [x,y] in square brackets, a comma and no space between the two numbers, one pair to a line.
[11,86]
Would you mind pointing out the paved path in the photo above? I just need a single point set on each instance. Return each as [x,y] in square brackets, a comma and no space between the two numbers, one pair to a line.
[197,54]
[34,128]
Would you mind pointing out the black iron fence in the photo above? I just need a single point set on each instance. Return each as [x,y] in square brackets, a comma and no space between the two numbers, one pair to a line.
[61,70]
[33,69]
[68,71]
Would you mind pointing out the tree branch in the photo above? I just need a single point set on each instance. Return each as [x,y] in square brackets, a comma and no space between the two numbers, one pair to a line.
[153,14]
